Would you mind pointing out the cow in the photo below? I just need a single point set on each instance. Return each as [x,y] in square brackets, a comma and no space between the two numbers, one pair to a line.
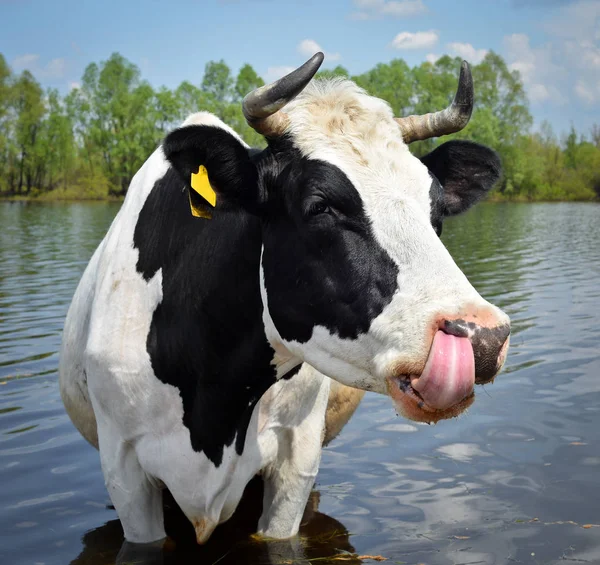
[235,284]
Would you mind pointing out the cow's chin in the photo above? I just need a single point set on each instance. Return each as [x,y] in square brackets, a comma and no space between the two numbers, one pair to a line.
[409,403]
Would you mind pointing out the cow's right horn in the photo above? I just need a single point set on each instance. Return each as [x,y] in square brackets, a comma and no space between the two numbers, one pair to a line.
[262,107]
[454,118]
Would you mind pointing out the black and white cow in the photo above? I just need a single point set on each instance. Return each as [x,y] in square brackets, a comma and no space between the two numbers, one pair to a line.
[195,349]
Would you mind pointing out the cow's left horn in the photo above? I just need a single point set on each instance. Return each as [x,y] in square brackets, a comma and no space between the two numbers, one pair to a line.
[450,120]
[262,107]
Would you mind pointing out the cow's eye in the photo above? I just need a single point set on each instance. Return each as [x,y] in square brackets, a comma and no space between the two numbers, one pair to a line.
[318,207]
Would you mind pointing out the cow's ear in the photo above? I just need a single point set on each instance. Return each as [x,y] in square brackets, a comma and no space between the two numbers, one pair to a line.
[466,170]
[208,159]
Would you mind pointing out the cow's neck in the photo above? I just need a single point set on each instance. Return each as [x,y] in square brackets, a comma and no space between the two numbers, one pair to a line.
[207,336]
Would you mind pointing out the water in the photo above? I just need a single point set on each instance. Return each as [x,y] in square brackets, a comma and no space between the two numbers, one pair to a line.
[516,480]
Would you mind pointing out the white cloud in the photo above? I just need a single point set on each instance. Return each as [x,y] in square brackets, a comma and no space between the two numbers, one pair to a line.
[371,9]
[538,93]
[566,67]
[584,53]
[360,16]
[432,58]
[417,40]
[308,47]
[468,52]
[587,92]
[579,19]
[537,68]
[274,73]
[56,68]
[74,85]
[25,61]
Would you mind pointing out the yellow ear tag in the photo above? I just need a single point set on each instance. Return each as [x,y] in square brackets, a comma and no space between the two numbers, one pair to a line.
[198,207]
[201,185]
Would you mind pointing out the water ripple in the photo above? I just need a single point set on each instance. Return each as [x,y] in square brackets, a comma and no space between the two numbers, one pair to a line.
[514,480]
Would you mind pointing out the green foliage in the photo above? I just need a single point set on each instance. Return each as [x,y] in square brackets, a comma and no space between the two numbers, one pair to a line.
[338,71]
[90,143]
[217,81]
[191,99]
[29,108]
[5,76]
[246,81]
[390,81]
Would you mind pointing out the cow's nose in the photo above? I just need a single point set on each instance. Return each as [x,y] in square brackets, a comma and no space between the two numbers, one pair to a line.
[490,345]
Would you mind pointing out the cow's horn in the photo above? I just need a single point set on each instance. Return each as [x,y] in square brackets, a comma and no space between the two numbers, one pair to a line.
[454,118]
[262,107]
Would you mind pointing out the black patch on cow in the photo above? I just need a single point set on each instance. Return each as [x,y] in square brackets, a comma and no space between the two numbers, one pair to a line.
[322,263]
[466,170]
[292,372]
[436,198]
[206,337]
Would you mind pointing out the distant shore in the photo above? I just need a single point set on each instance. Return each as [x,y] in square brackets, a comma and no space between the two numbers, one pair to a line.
[495,198]
[50,197]
[498,198]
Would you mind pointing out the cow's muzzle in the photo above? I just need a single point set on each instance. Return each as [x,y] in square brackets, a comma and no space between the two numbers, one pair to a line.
[464,351]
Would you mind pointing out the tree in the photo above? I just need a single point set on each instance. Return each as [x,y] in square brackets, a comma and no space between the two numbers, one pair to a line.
[5,85]
[29,109]
[595,134]
[390,81]
[78,109]
[191,99]
[502,91]
[246,81]
[5,122]
[120,127]
[166,109]
[217,81]
[571,149]
[93,140]
[338,71]
[55,147]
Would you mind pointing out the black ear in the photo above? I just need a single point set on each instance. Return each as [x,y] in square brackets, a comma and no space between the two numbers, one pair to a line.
[466,170]
[231,172]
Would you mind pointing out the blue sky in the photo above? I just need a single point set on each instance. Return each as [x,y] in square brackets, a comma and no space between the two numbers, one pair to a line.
[555,44]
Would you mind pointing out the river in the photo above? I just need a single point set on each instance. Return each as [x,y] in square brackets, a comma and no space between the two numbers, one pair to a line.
[515,480]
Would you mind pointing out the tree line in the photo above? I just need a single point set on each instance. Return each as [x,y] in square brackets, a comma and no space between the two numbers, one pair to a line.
[90,142]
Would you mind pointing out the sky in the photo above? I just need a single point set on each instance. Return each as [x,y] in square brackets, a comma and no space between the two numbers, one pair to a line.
[554,44]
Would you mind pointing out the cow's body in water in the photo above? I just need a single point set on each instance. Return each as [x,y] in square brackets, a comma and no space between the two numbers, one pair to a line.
[195,349]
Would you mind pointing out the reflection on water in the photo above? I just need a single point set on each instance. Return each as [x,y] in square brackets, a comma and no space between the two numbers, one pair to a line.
[320,536]
[516,480]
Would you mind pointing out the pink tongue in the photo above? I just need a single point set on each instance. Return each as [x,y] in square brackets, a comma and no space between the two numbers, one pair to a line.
[449,374]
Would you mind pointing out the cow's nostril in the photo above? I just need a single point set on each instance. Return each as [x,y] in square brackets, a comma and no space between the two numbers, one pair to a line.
[458,328]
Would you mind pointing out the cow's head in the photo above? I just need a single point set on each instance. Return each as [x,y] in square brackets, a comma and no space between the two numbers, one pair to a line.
[354,278]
